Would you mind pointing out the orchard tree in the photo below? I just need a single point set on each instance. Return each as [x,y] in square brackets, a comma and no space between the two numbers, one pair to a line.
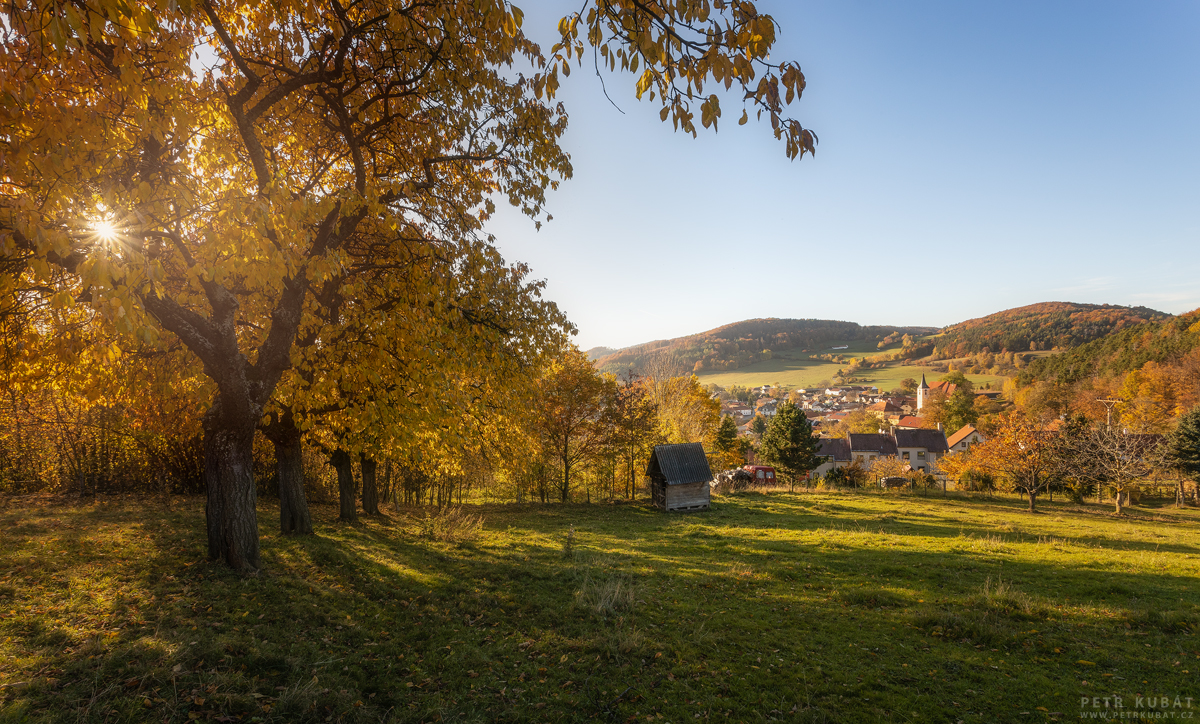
[1024,457]
[789,443]
[212,204]
[1104,456]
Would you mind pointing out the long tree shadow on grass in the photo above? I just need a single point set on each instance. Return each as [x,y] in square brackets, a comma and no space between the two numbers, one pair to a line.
[733,611]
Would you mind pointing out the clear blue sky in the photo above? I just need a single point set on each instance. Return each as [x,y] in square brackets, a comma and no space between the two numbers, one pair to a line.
[973,157]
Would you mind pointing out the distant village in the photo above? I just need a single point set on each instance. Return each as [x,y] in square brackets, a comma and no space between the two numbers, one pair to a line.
[903,433]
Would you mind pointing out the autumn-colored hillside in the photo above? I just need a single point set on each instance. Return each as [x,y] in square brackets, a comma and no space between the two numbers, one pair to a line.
[743,343]
[1041,326]
[1166,342]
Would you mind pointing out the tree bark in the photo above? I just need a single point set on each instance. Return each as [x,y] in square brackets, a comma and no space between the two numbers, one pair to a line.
[294,517]
[567,471]
[370,488]
[566,484]
[1032,501]
[1118,500]
[231,514]
[346,488]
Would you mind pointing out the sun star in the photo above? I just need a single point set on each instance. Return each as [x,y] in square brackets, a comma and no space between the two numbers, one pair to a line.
[105,230]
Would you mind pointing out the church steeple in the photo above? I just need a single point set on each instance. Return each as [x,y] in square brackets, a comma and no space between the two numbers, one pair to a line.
[921,391]
[924,384]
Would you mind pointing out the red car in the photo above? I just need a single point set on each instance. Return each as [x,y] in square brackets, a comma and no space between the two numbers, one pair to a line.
[763,474]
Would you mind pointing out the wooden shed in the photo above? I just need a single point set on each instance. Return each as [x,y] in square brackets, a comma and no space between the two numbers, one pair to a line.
[679,477]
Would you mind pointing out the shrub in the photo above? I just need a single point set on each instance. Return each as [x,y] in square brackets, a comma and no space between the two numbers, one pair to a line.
[451,524]
[568,547]
[977,481]
[851,476]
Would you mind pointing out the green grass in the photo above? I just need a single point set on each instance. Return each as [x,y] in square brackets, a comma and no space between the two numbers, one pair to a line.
[832,607]
[797,371]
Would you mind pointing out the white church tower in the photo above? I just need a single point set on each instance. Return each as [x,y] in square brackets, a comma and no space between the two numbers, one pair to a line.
[921,392]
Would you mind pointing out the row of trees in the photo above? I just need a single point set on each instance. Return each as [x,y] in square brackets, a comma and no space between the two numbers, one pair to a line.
[1082,457]
[299,226]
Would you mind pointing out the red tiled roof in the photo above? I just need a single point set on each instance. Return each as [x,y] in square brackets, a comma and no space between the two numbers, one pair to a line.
[961,435]
[911,421]
[944,386]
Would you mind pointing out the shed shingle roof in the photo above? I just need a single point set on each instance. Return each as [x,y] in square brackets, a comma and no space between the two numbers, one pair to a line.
[680,464]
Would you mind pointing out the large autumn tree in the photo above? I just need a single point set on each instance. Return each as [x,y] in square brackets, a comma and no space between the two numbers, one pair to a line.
[1021,453]
[575,405]
[213,200]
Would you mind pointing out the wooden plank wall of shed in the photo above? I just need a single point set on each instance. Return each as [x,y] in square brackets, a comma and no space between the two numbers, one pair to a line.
[686,496]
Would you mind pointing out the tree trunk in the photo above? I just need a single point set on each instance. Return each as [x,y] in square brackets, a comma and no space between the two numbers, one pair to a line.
[1118,500]
[566,483]
[231,513]
[1032,501]
[370,488]
[346,488]
[294,517]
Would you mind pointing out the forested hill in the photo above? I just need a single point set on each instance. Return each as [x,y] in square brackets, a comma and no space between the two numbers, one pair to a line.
[743,343]
[1166,342]
[1041,326]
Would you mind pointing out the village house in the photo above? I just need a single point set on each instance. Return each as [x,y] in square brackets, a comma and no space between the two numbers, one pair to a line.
[920,448]
[884,409]
[739,410]
[965,439]
[835,452]
[766,406]
[867,448]
[908,422]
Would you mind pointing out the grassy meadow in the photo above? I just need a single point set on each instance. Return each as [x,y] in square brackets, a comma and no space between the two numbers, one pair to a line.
[821,607]
[798,371]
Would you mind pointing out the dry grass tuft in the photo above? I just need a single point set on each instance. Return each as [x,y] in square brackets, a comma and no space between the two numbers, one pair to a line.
[607,596]
[451,524]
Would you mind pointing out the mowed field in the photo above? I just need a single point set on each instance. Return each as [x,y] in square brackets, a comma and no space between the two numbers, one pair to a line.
[821,607]
[796,370]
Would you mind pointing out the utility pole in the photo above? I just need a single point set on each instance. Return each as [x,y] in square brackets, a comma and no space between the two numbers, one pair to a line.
[1108,405]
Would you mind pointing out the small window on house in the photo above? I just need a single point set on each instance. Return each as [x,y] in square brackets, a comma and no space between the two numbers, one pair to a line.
[860,458]
[974,438]
[920,455]
[906,456]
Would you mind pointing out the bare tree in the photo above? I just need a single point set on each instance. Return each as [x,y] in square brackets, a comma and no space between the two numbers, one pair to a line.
[1120,460]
